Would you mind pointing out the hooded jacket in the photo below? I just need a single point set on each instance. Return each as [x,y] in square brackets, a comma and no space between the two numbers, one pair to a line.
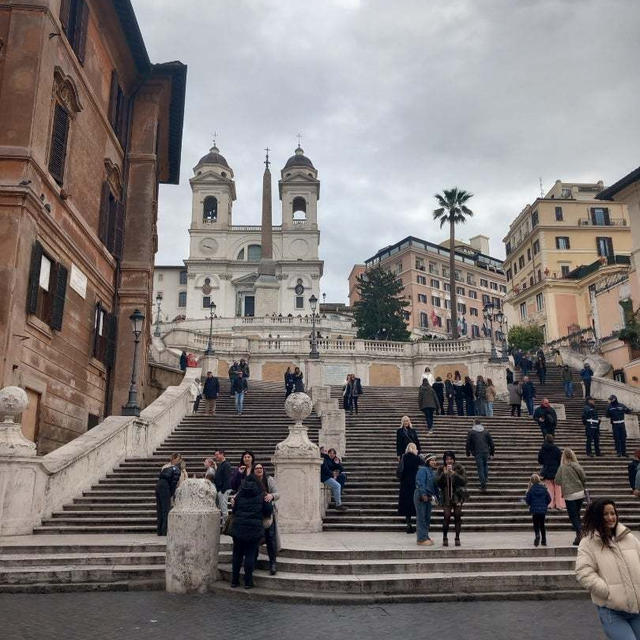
[479,441]
[427,398]
[538,499]
[611,574]
[549,457]
[249,508]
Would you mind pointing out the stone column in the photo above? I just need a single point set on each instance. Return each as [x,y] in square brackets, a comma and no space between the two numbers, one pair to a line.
[313,373]
[297,463]
[208,363]
[193,539]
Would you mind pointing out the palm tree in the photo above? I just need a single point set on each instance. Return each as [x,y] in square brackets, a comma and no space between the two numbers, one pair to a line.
[453,210]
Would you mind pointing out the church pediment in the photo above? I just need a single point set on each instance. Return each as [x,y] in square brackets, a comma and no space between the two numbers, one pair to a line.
[209,176]
[250,278]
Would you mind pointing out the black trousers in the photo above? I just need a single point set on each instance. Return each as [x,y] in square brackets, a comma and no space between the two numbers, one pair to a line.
[460,406]
[516,409]
[593,436]
[354,403]
[454,510]
[244,553]
[573,509]
[620,438]
[450,403]
[538,526]
[163,505]
[428,416]
[587,388]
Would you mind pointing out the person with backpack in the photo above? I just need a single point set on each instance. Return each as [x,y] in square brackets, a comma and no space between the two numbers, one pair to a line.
[538,499]
[480,446]
[615,412]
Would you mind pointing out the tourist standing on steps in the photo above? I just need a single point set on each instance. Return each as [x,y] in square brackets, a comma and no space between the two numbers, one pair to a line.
[249,510]
[481,396]
[165,490]
[406,473]
[541,368]
[510,377]
[245,469]
[538,499]
[404,435]
[567,381]
[351,391]
[210,391]
[233,369]
[458,388]
[288,382]
[633,469]
[330,472]
[449,392]
[591,424]
[451,480]
[425,492]
[469,397]
[298,384]
[515,398]
[428,402]
[438,388]
[271,535]
[528,394]
[491,397]
[615,412]
[222,480]
[546,418]
[573,482]
[183,361]
[608,566]
[549,458]
[586,374]
[239,388]
[480,446]
[427,375]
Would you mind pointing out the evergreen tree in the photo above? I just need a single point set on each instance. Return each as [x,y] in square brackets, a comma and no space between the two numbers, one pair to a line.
[379,312]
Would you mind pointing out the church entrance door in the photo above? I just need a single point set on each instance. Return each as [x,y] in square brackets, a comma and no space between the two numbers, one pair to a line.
[249,305]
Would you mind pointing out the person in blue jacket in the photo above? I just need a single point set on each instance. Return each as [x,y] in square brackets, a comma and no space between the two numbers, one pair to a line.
[528,394]
[538,499]
[615,412]
[423,497]
[586,374]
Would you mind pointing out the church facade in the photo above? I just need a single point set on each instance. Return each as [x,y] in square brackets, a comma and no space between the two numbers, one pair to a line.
[232,265]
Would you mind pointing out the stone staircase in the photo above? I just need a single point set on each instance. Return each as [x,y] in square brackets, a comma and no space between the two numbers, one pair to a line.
[123,505]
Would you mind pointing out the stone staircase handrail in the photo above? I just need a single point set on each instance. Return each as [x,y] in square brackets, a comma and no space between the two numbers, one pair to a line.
[576,360]
[602,388]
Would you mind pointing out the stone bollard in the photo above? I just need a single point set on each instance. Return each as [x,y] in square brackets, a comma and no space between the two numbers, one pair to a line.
[561,414]
[297,463]
[13,401]
[332,431]
[193,539]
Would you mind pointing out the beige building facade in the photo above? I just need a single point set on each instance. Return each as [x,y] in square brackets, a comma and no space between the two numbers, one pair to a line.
[557,250]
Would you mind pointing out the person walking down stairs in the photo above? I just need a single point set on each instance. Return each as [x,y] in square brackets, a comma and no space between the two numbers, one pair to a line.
[608,566]
[165,490]
[549,458]
[538,499]
[573,481]
[591,423]
[615,412]
[425,492]
[541,368]
[586,374]
[452,480]
[239,388]
[480,446]
[633,469]
[515,398]
[428,402]
[567,381]
[210,391]
[528,394]
[546,418]
[406,473]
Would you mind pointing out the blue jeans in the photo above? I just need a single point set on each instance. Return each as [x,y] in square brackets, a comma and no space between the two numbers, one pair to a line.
[482,463]
[490,409]
[239,401]
[529,403]
[568,388]
[423,517]
[619,625]
[336,490]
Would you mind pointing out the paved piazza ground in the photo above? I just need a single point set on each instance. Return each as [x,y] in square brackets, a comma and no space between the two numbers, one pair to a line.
[142,615]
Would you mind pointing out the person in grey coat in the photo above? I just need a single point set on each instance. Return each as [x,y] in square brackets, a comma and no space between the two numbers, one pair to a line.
[428,402]
[480,446]
[515,398]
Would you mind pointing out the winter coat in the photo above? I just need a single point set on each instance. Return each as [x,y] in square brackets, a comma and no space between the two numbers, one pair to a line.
[427,398]
[491,393]
[211,388]
[426,484]
[515,394]
[479,442]
[298,385]
[590,418]
[510,377]
[408,467]
[288,380]
[249,508]
[328,467]
[244,367]
[222,478]
[169,474]
[403,437]
[546,418]
[615,411]
[586,374]
[452,487]
[538,498]
[571,478]
[458,390]
[611,574]
[541,365]
[449,389]
[528,390]
[438,388]
[549,458]
[567,375]
[481,391]
[239,385]
[183,361]
[468,391]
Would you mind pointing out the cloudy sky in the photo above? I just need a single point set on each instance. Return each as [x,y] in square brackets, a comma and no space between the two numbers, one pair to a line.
[396,101]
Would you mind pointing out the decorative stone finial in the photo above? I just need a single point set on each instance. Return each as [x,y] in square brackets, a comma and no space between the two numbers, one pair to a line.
[195,496]
[13,401]
[298,406]
[297,444]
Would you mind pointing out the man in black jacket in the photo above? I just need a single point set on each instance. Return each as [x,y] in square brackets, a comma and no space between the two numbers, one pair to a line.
[546,418]
[591,424]
[210,391]
[222,481]
[480,446]
[615,412]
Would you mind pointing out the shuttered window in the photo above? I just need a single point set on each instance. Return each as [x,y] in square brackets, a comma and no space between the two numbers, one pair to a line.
[58,147]
[111,225]
[118,110]
[47,289]
[74,15]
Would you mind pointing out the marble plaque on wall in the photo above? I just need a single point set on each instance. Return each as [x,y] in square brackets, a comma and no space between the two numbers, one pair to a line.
[335,373]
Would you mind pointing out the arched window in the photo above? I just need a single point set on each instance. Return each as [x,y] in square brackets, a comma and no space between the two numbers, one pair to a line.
[254,252]
[210,209]
[299,208]
[240,254]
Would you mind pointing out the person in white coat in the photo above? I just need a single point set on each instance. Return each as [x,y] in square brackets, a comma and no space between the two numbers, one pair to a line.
[427,375]
[608,566]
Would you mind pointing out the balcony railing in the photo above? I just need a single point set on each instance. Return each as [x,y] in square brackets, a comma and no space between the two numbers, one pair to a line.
[612,222]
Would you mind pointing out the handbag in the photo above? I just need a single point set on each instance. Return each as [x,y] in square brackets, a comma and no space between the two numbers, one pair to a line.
[228,525]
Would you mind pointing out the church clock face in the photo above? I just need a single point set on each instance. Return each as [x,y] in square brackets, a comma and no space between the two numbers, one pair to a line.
[208,245]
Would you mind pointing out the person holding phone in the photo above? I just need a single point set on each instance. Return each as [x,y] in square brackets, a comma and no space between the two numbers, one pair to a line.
[245,469]
[451,479]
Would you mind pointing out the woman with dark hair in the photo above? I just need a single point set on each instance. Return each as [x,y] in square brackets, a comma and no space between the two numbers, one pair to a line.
[245,468]
[271,536]
[288,382]
[406,472]
[298,384]
[458,392]
[249,510]
[608,566]
[438,388]
[451,478]
[481,396]
[165,489]
[469,396]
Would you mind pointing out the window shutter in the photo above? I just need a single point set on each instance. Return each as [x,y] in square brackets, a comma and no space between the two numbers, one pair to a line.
[111,332]
[65,13]
[58,150]
[103,225]
[113,99]
[607,219]
[123,124]
[118,244]
[34,277]
[59,294]
[80,35]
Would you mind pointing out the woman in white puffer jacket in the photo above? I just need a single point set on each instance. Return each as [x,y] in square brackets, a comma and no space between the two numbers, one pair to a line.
[608,566]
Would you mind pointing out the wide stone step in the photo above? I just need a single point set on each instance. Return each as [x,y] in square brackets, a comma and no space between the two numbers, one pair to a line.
[80,559]
[79,573]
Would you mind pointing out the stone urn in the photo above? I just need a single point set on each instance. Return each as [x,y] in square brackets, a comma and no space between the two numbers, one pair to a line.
[13,401]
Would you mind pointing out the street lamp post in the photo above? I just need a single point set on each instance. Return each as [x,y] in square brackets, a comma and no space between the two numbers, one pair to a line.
[488,312]
[132,408]
[156,333]
[313,303]
[209,349]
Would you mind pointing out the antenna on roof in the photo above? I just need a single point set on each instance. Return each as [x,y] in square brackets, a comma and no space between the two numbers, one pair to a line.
[541,189]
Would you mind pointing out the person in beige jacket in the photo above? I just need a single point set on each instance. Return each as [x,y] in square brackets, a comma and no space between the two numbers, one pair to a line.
[608,566]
